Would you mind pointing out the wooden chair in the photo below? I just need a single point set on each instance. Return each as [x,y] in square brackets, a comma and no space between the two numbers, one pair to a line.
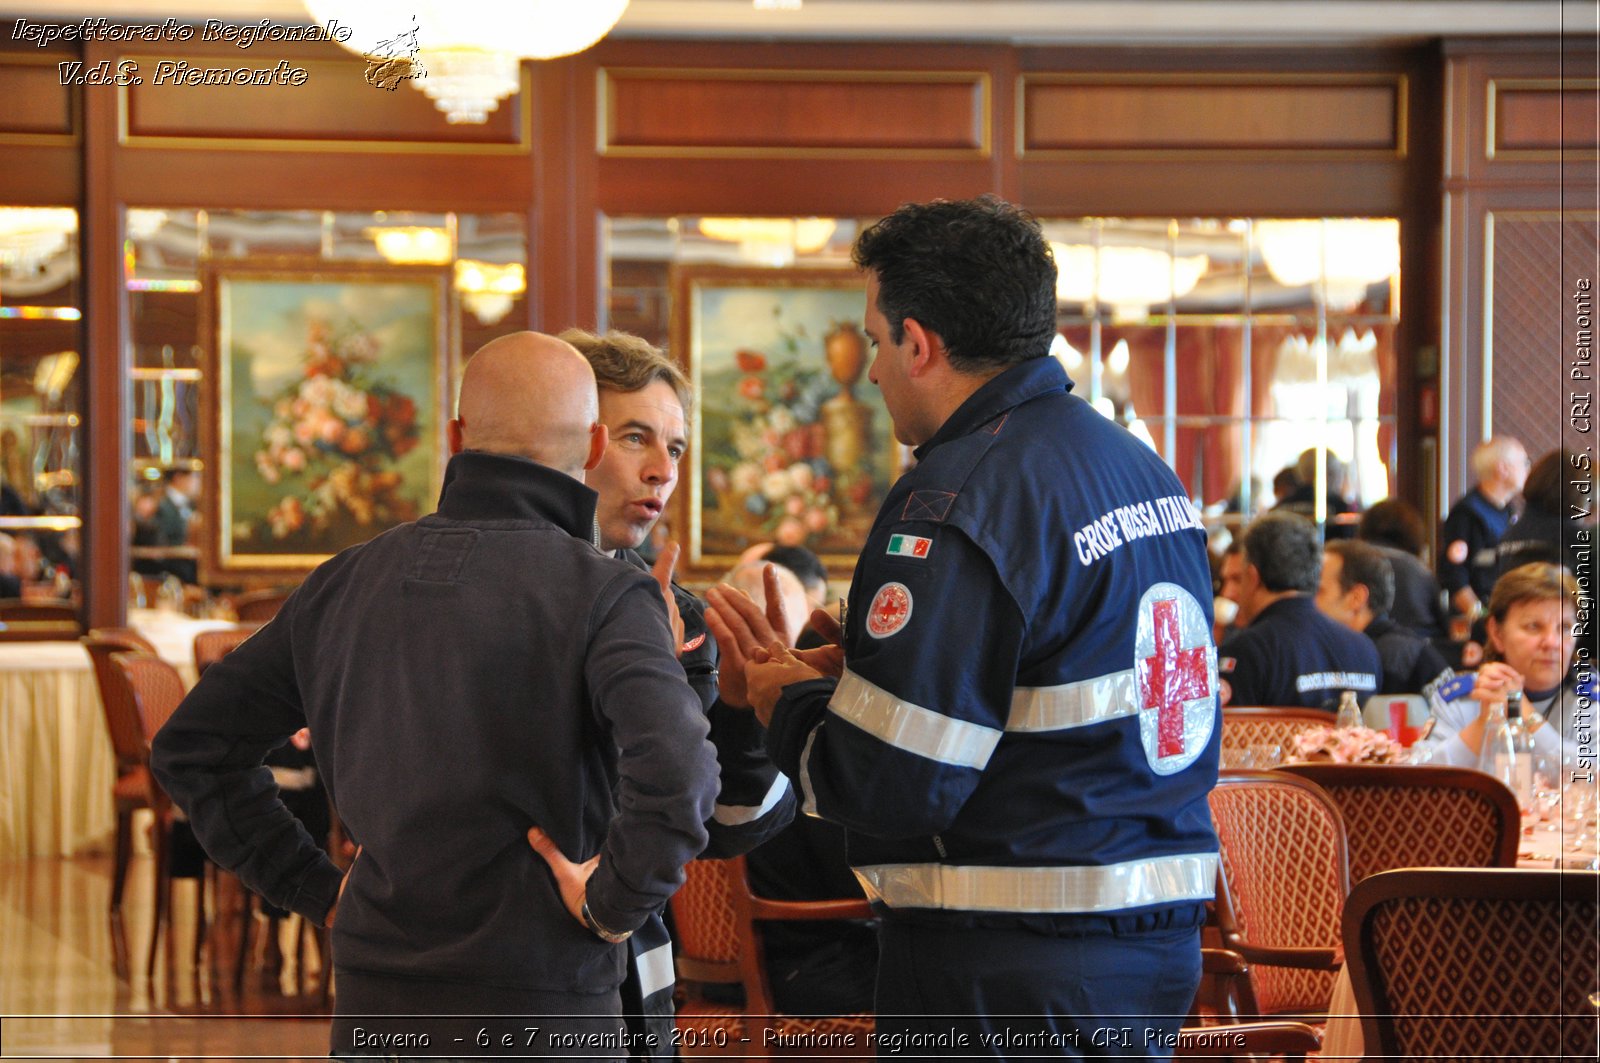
[211,646]
[1452,963]
[26,621]
[1243,728]
[719,942]
[1281,887]
[134,788]
[1396,815]
[156,690]
[260,606]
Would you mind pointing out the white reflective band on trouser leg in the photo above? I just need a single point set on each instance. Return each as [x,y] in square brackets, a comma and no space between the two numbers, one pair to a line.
[1107,888]
[912,727]
[1105,697]
[655,970]
[734,815]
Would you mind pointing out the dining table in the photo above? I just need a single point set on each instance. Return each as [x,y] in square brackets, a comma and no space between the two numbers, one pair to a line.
[56,763]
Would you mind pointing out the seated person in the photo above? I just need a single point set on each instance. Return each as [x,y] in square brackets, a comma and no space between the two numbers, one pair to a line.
[1396,528]
[1303,499]
[1531,648]
[1288,653]
[1357,587]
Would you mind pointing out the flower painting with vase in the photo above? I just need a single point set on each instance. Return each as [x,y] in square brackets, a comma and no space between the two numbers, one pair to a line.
[325,419]
[792,444]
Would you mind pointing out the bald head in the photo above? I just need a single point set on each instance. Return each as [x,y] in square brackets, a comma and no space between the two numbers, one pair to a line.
[748,578]
[531,396]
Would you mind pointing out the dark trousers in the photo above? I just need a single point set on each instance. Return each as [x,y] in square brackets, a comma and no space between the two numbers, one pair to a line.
[1102,990]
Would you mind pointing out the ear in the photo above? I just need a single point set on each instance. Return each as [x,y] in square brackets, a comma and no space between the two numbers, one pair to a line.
[599,437]
[1360,595]
[454,433]
[1492,639]
[927,348]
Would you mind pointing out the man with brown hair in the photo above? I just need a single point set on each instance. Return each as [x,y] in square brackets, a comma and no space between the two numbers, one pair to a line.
[471,678]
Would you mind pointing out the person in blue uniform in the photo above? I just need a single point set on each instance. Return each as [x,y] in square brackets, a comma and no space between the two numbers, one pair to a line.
[1289,653]
[644,404]
[1356,589]
[1020,727]
[1472,529]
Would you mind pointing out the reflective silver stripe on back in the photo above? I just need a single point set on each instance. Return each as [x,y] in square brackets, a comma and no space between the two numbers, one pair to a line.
[912,727]
[655,970]
[734,815]
[808,792]
[1107,888]
[1105,697]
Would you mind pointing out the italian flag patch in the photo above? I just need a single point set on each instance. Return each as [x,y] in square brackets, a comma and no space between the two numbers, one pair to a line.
[909,545]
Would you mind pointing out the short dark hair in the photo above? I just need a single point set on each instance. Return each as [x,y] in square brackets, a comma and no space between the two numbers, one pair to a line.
[803,563]
[624,362]
[976,272]
[1365,564]
[1394,522]
[1558,484]
[1284,549]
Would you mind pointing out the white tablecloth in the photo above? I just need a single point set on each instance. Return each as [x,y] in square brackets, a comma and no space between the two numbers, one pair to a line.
[56,764]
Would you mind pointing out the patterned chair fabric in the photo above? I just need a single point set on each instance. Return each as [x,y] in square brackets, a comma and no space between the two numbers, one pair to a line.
[257,607]
[1426,816]
[1283,881]
[718,940]
[157,688]
[1246,727]
[1453,963]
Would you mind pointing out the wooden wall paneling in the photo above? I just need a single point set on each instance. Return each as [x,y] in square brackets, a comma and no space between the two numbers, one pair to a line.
[40,130]
[564,281]
[850,129]
[108,438]
[1519,107]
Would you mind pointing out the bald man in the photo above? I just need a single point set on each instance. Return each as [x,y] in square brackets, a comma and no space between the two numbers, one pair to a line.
[480,679]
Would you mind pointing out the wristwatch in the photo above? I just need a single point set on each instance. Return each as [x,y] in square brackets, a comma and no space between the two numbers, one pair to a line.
[601,932]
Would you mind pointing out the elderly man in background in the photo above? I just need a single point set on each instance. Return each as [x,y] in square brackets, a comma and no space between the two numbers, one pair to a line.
[475,680]
[1289,653]
[1468,564]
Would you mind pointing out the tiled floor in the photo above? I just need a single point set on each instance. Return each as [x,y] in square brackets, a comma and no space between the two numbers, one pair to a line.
[60,996]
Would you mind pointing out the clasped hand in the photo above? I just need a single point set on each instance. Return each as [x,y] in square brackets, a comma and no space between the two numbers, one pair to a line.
[757,658]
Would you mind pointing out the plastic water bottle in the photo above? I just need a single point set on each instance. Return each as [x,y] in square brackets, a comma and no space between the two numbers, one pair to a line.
[1507,752]
[1349,712]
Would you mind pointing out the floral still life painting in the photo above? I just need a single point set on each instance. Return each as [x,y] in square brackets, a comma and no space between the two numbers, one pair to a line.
[793,442]
[329,425]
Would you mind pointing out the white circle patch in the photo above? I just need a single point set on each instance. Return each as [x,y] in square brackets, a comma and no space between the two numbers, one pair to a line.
[890,610]
[1175,678]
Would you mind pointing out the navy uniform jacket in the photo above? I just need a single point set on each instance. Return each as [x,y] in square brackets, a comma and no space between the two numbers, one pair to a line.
[1471,531]
[1410,663]
[1026,727]
[754,802]
[1292,654]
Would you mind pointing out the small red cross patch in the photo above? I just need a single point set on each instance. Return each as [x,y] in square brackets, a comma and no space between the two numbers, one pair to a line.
[1173,665]
[890,610]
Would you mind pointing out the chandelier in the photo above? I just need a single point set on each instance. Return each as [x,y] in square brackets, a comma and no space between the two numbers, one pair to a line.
[465,55]
[772,240]
[412,245]
[1338,257]
[1129,279]
[489,289]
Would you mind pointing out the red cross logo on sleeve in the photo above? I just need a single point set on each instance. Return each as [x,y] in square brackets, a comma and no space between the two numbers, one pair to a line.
[1170,677]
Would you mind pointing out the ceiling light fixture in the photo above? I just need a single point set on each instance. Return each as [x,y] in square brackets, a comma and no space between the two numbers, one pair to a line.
[1337,257]
[465,54]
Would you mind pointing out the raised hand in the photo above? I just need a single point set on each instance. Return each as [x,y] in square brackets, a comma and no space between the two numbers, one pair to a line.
[666,561]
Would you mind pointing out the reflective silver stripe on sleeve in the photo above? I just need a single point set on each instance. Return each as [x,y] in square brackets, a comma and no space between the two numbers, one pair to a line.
[912,727]
[1105,697]
[808,793]
[1107,888]
[734,815]
[655,970]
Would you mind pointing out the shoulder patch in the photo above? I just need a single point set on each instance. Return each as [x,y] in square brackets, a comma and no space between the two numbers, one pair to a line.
[1457,688]
[1456,552]
[890,610]
[694,643]
[1226,664]
[909,546]
[928,505]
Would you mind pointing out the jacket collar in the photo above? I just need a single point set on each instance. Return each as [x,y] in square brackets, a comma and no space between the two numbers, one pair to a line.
[1006,391]
[481,486]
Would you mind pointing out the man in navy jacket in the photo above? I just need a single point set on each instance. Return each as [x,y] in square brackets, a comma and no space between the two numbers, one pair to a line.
[1020,727]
